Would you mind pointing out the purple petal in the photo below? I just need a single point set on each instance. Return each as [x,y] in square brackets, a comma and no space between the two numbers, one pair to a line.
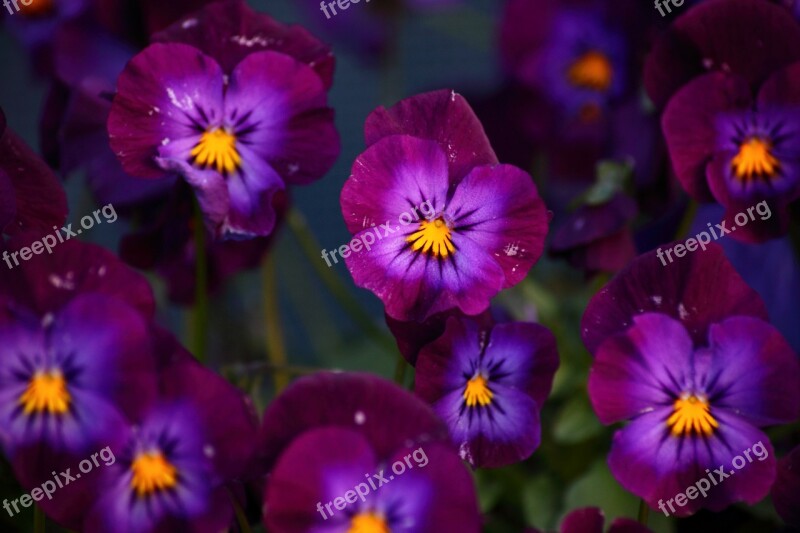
[499,209]
[442,116]
[640,369]
[699,289]
[159,94]
[690,126]
[786,490]
[393,177]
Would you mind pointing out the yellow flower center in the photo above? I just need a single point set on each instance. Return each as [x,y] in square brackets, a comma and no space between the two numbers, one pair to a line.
[755,159]
[368,523]
[217,148]
[592,70]
[38,8]
[46,392]
[432,237]
[692,414]
[477,392]
[152,473]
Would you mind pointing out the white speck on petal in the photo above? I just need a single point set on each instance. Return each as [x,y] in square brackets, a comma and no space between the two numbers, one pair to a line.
[360,418]
[165,141]
[209,451]
[656,299]
[189,23]
[682,312]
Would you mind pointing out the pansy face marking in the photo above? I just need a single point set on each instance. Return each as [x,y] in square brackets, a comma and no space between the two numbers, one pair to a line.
[755,160]
[592,70]
[217,149]
[152,473]
[691,415]
[433,237]
[368,523]
[46,393]
[477,392]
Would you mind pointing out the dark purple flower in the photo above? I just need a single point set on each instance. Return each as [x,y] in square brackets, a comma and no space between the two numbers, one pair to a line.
[31,198]
[489,385]
[306,490]
[237,136]
[328,433]
[567,52]
[786,490]
[708,37]
[69,380]
[438,232]
[739,150]
[174,465]
[598,237]
[699,290]
[693,408]
[592,520]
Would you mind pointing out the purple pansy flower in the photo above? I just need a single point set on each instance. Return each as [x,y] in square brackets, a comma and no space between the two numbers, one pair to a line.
[695,407]
[69,379]
[786,490]
[708,37]
[699,290]
[488,385]
[237,131]
[566,52]
[740,150]
[328,434]
[31,198]
[448,230]
[175,464]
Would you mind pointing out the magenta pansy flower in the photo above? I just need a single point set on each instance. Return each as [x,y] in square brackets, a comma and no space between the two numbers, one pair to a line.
[489,385]
[238,128]
[449,227]
[692,408]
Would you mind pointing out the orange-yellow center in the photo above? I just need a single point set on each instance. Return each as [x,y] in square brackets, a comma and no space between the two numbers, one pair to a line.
[368,523]
[152,473]
[46,393]
[217,148]
[593,70]
[477,392]
[432,237]
[755,159]
[692,415]
[38,8]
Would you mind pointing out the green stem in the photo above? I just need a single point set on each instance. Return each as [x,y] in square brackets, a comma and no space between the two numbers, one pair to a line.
[337,288]
[199,329]
[400,370]
[644,512]
[241,518]
[276,351]
[686,221]
[38,520]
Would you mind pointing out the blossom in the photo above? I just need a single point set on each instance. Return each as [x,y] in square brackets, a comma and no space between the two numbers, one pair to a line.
[482,225]
[694,407]
[701,289]
[70,380]
[236,127]
[488,385]
[175,463]
[708,38]
[328,433]
[739,149]
[786,490]
[31,198]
